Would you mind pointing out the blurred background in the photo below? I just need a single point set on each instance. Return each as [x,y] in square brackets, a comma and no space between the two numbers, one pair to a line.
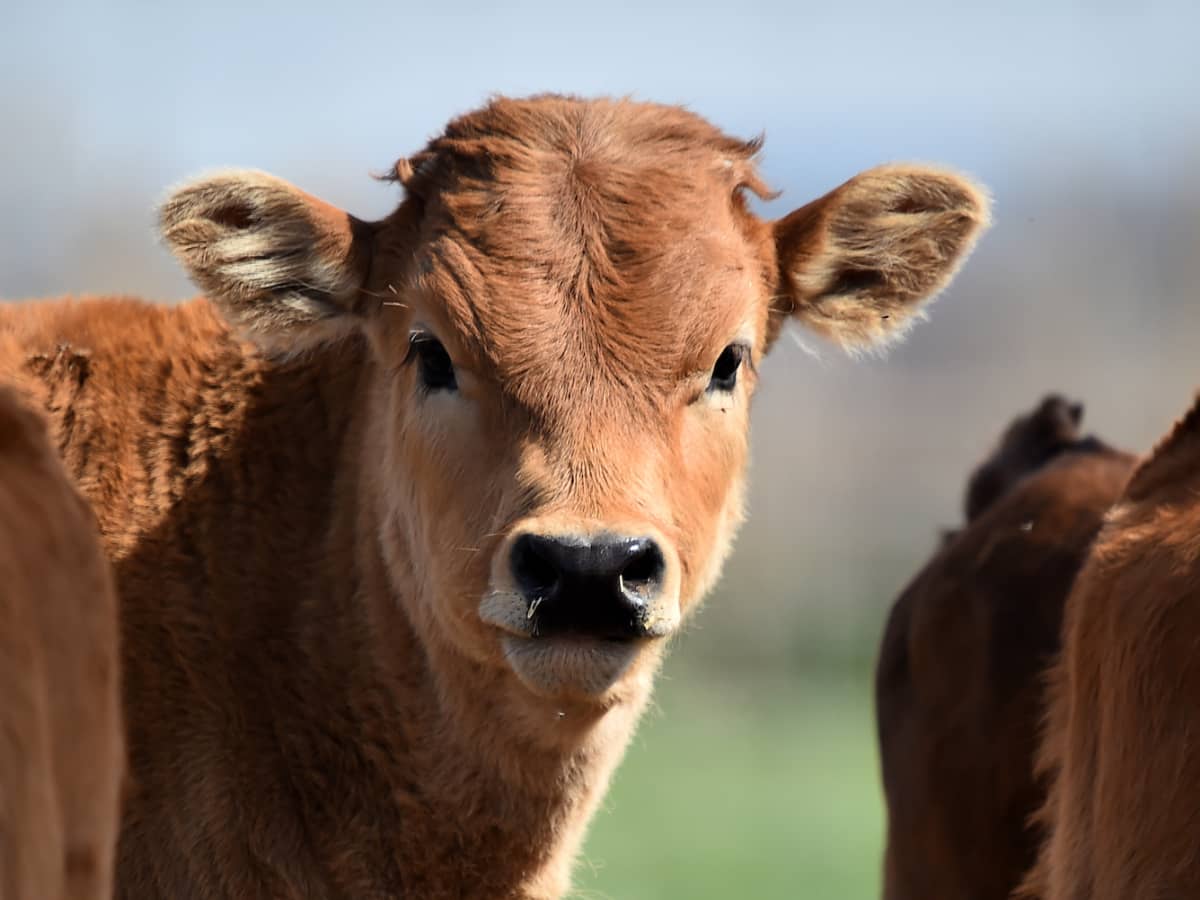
[755,773]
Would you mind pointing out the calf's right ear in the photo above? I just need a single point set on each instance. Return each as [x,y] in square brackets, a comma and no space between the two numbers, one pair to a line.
[283,267]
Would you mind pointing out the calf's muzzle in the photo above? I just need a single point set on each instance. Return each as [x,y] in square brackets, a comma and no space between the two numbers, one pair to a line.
[597,587]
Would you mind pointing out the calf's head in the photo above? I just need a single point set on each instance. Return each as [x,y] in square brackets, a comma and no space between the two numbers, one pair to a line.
[1029,442]
[564,319]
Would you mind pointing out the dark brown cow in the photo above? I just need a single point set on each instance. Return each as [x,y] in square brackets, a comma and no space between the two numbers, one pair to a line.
[958,684]
[397,576]
[1121,737]
[61,747]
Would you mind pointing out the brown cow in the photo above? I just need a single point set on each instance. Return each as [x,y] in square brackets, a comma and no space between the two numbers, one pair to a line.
[1120,737]
[61,747]
[958,685]
[396,579]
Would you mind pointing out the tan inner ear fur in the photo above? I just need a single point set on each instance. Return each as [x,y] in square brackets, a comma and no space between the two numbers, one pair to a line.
[858,264]
[276,260]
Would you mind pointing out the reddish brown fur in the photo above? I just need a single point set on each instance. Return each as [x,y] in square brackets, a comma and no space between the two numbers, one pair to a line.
[333,687]
[61,747]
[958,684]
[1119,737]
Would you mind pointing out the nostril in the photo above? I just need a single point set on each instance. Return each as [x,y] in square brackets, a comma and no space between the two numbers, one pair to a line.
[644,570]
[534,570]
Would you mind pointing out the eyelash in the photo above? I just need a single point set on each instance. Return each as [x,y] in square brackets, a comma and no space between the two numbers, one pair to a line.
[435,367]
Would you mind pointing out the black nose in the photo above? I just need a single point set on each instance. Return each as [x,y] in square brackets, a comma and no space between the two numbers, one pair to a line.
[595,588]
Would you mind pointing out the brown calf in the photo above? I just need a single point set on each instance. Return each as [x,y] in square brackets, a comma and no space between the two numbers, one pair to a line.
[61,748]
[958,684]
[1120,738]
[396,576]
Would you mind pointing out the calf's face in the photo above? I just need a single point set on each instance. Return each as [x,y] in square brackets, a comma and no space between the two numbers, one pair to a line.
[566,316]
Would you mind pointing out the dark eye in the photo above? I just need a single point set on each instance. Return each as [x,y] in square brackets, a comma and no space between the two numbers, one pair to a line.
[725,371]
[434,367]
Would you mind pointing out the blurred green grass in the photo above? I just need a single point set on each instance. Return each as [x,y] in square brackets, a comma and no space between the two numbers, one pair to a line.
[755,788]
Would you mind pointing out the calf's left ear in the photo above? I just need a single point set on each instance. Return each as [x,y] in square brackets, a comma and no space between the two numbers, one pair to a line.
[857,265]
[285,268]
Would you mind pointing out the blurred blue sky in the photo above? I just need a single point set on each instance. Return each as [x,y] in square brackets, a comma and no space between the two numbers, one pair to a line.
[167,88]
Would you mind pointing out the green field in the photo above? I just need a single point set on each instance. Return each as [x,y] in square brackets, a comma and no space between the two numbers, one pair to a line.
[743,790]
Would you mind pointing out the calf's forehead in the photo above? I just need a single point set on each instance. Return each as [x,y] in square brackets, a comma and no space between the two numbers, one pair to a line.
[570,268]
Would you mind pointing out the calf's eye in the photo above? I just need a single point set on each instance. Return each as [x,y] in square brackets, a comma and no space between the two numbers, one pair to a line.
[434,366]
[725,370]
